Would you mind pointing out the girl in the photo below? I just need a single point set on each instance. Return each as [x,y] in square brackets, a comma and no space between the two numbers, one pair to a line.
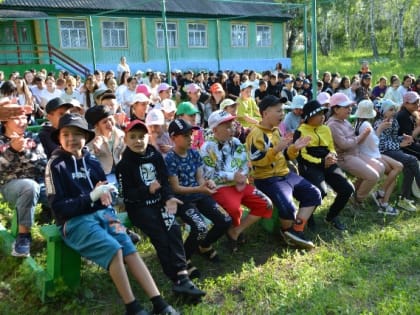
[370,147]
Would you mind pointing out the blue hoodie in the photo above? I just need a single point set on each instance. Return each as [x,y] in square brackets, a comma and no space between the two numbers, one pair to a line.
[69,182]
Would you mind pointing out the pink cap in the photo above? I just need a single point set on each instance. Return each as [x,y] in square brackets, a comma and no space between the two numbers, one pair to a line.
[323,98]
[340,99]
[411,97]
[145,89]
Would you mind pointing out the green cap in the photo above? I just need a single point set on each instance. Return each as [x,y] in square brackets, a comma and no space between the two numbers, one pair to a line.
[186,108]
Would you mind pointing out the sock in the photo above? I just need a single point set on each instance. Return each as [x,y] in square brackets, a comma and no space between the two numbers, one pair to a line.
[159,304]
[299,224]
[133,307]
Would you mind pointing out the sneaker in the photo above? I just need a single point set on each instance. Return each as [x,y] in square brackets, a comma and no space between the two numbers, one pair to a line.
[298,238]
[169,310]
[135,238]
[187,287]
[387,209]
[406,204]
[21,246]
[336,224]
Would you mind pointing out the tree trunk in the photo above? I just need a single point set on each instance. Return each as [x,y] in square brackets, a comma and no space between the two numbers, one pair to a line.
[291,41]
[372,31]
[401,45]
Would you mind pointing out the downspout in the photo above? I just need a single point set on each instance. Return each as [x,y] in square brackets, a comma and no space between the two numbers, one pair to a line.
[314,51]
[218,46]
[93,43]
[15,35]
[165,29]
[47,32]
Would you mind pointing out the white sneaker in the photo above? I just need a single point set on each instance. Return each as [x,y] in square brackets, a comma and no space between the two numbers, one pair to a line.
[407,204]
[387,209]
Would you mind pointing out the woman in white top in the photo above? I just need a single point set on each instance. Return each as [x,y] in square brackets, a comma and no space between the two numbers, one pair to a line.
[50,91]
[370,147]
[122,66]
[392,92]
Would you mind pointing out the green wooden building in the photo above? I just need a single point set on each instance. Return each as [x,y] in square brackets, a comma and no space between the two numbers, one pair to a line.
[82,35]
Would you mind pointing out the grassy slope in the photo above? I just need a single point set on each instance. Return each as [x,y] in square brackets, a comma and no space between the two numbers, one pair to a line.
[372,269]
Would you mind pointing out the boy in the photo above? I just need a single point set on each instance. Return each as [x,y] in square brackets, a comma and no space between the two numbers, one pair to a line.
[55,109]
[185,168]
[81,202]
[151,205]
[225,161]
[269,153]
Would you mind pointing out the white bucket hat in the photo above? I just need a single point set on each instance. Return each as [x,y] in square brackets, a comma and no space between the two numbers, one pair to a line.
[365,109]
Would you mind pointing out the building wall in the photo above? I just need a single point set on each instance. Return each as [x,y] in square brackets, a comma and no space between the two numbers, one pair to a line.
[142,52]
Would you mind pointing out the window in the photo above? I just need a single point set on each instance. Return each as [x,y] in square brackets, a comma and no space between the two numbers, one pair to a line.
[239,35]
[172,35]
[114,34]
[197,35]
[263,36]
[73,34]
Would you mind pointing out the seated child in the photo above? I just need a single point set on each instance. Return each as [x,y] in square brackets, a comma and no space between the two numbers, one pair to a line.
[81,201]
[318,161]
[269,153]
[151,205]
[159,137]
[226,163]
[185,168]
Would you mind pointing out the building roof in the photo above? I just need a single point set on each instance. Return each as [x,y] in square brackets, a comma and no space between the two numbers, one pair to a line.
[198,8]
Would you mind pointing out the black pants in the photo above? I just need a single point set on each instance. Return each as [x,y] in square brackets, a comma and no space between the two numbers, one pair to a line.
[166,238]
[333,176]
[192,211]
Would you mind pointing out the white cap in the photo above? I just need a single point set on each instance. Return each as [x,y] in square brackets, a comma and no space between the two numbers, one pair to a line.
[298,102]
[155,117]
[218,117]
[168,106]
[139,97]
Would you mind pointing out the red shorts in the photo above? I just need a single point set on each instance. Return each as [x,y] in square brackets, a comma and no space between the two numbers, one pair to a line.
[231,200]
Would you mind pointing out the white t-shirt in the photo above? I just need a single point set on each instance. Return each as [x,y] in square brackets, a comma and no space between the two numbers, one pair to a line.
[370,146]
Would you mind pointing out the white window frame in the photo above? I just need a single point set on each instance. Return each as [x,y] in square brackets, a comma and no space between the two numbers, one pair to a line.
[114,31]
[77,32]
[197,38]
[265,34]
[239,35]
[172,35]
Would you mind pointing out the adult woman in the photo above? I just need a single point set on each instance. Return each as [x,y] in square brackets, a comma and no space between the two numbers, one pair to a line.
[367,170]
[122,67]
[50,91]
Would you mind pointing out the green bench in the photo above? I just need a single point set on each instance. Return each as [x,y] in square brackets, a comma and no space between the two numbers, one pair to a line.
[62,262]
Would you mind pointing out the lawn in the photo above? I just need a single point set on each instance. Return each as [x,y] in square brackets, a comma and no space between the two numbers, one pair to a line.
[374,268]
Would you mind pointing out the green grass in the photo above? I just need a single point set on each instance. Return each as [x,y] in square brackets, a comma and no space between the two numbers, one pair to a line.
[371,269]
[348,63]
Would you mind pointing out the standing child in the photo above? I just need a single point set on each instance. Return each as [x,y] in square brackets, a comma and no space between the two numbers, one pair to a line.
[81,202]
[151,206]
[269,152]
[185,167]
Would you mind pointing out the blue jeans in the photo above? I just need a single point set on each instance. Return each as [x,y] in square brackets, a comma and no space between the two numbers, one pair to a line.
[24,194]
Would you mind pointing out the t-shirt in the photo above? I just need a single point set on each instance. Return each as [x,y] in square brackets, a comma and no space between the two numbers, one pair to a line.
[185,168]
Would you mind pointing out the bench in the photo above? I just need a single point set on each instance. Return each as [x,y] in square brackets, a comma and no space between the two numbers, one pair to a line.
[62,262]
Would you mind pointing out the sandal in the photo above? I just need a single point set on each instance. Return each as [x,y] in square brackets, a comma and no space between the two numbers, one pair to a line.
[233,244]
[210,253]
[193,272]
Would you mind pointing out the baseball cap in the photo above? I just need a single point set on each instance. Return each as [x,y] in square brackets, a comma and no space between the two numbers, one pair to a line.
[143,88]
[340,99]
[168,106]
[138,124]
[323,98]
[245,85]
[96,113]
[298,102]
[139,98]
[386,104]
[312,108]
[411,97]
[163,87]
[100,92]
[227,102]
[366,76]
[72,120]
[179,127]
[288,80]
[270,100]
[155,117]
[219,117]
[55,103]
[186,108]
[216,87]
[192,88]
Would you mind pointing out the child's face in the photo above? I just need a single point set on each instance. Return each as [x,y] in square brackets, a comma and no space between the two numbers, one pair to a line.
[156,129]
[231,109]
[72,140]
[70,87]
[54,116]
[137,140]
[139,109]
[188,118]
[316,120]
[16,125]
[105,125]
[183,141]
[224,131]
[273,115]
[169,116]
